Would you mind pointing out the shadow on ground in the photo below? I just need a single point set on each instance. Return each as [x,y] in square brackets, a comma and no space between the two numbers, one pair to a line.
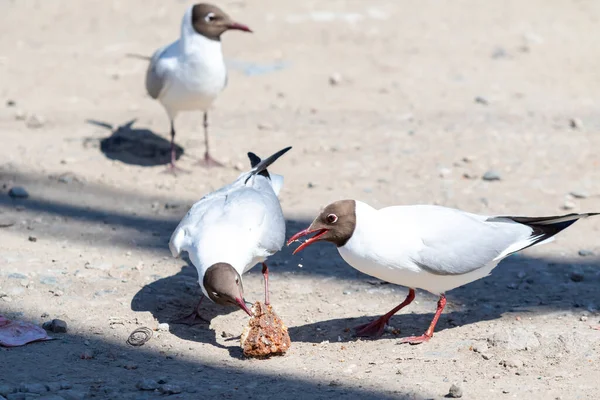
[518,283]
[136,146]
[116,368]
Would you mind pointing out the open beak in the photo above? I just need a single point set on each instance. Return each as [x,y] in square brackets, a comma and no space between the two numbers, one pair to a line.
[308,242]
[242,303]
[238,27]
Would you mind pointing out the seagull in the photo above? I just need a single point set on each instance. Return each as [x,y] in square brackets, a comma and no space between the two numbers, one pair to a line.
[231,230]
[190,73]
[427,247]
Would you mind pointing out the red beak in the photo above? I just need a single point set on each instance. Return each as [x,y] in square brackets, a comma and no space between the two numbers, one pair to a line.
[307,231]
[243,306]
[238,27]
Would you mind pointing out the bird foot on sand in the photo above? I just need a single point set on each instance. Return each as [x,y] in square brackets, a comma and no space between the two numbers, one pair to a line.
[415,339]
[372,329]
[209,162]
[174,170]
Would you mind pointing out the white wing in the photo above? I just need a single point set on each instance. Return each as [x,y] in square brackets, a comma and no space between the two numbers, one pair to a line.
[160,65]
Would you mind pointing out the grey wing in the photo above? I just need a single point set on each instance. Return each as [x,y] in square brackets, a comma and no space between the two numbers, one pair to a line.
[459,243]
[182,236]
[261,212]
[155,75]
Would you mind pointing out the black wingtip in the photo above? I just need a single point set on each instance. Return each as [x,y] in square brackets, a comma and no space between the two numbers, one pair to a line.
[254,159]
[264,164]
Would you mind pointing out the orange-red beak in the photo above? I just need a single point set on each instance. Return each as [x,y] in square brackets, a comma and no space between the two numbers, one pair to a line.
[239,27]
[243,305]
[308,242]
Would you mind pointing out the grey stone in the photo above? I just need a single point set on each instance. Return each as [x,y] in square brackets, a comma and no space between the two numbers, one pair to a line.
[455,392]
[514,339]
[147,384]
[16,275]
[56,326]
[579,194]
[37,388]
[65,385]
[35,121]
[576,123]
[170,389]
[335,79]
[585,253]
[481,100]
[164,327]
[491,175]
[18,192]
[513,363]
[576,276]
[51,397]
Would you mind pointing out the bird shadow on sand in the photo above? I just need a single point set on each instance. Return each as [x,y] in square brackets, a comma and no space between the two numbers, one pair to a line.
[520,285]
[136,146]
[174,297]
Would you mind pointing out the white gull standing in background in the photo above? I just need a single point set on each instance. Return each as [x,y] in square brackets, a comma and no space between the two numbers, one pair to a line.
[190,73]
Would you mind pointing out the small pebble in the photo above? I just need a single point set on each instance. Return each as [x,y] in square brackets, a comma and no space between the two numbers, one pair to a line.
[335,79]
[163,327]
[347,292]
[56,326]
[71,395]
[585,253]
[20,115]
[481,100]
[11,103]
[576,123]
[576,276]
[264,126]
[7,389]
[226,334]
[487,356]
[579,194]
[35,121]
[32,239]
[568,205]
[445,172]
[51,397]
[130,365]
[147,384]
[18,192]
[36,388]
[87,355]
[491,175]
[513,363]
[170,389]
[455,392]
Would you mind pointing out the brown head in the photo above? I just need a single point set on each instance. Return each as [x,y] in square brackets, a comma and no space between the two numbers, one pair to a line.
[223,285]
[334,224]
[210,21]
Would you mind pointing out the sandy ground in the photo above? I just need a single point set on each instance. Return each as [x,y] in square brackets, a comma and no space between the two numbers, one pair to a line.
[432,95]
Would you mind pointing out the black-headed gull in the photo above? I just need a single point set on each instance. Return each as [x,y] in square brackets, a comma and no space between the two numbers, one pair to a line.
[230,230]
[189,73]
[427,247]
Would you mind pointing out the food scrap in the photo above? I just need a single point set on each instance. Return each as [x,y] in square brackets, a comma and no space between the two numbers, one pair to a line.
[266,334]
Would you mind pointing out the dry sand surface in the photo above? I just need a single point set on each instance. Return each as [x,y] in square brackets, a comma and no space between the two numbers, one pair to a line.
[389,102]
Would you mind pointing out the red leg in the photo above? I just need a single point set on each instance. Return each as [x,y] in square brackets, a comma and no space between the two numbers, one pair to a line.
[208,161]
[172,168]
[265,271]
[194,318]
[375,328]
[429,333]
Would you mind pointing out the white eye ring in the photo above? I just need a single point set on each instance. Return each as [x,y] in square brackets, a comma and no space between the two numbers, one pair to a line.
[332,218]
[215,294]
[209,17]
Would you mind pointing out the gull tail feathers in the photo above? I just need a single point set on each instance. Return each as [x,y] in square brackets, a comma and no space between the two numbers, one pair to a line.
[258,165]
[543,229]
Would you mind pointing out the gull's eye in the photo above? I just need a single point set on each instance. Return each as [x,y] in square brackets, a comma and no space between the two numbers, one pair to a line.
[332,218]
[237,281]
[210,17]
[215,294]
